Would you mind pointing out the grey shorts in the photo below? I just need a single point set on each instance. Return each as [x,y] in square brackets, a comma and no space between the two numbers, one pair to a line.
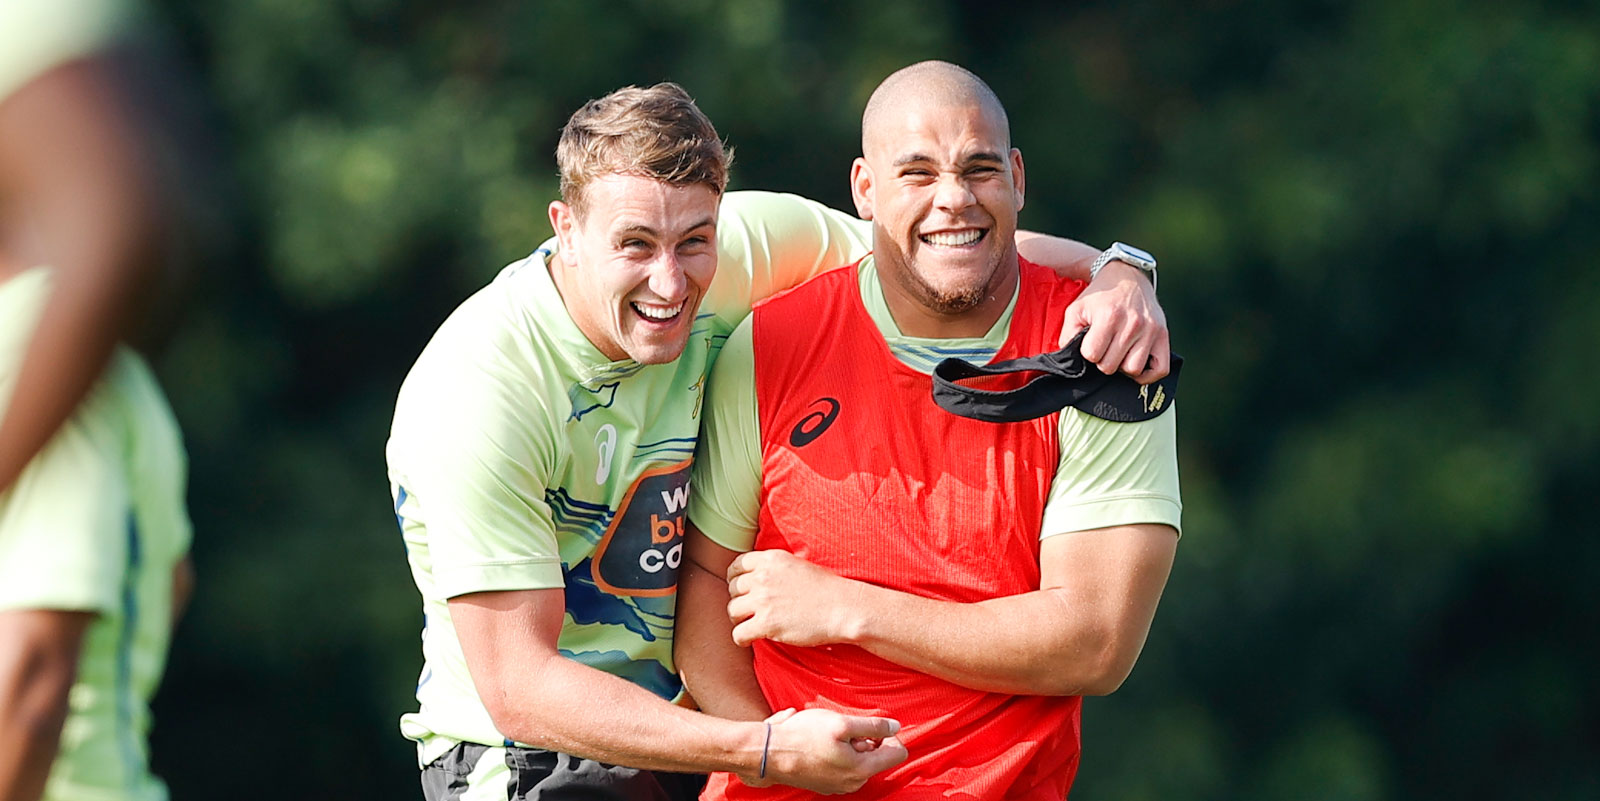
[472,772]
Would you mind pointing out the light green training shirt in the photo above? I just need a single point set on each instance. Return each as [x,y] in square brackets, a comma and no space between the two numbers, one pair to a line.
[96,523]
[522,458]
[1110,474]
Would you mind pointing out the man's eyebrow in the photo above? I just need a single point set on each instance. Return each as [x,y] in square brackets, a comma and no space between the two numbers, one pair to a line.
[640,229]
[703,223]
[986,155]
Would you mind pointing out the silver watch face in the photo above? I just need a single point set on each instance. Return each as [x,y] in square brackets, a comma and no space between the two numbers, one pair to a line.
[1133,255]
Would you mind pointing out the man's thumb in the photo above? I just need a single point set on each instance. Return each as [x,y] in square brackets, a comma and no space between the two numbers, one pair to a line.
[871,728]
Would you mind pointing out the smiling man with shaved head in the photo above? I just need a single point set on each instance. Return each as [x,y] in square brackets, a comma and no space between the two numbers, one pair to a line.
[882,556]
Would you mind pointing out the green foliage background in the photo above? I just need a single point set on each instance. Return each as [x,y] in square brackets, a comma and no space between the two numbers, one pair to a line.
[1376,221]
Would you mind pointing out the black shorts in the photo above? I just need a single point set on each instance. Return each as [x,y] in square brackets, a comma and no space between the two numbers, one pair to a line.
[472,772]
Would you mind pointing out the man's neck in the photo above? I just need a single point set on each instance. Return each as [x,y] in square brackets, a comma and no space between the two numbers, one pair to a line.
[560,270]
[915,319]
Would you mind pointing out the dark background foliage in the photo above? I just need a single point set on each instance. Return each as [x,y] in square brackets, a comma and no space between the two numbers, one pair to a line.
[1370,217]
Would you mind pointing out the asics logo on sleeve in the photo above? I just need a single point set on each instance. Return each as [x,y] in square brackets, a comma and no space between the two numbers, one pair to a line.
[825,410]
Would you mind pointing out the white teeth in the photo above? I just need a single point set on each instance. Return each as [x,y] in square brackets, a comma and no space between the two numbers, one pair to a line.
[951,239]
[658,312]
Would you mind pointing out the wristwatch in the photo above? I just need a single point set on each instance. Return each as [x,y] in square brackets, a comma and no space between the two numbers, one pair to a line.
[1127,254]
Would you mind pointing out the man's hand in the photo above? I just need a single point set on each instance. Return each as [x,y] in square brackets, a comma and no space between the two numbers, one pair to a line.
[775,595]
[1127,328]
[826,752]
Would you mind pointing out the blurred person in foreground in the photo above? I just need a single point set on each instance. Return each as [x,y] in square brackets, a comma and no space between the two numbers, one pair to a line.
[885,557]
[93,529]
[539,465]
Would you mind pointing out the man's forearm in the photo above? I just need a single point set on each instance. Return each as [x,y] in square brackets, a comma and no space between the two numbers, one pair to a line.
[578,710]
[1069,258]
[28,745]
[38,663]
[1029,644]
[536,696]
[586,712]
[1035,643]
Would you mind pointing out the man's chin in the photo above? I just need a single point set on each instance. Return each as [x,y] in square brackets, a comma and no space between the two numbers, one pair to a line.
[657,352]
[954,297]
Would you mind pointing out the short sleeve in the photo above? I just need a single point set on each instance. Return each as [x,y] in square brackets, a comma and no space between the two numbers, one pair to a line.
[1114,474]
[727,470]
[64,528]
[36,35]
[768,242]
[473,460]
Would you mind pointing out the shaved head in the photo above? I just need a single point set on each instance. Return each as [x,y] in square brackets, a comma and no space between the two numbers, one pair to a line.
[936,84]
[942,185]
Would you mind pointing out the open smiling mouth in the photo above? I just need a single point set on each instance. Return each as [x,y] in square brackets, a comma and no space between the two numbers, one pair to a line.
[657,313]
[955,239]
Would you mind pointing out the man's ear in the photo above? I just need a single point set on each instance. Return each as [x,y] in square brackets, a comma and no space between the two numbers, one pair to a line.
[861,187]
[564,221]
[1019,182]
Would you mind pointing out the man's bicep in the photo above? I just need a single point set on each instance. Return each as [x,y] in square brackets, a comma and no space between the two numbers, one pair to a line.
[1106,563]
[500,632]
[708,555]
[1113,579]
[490,622]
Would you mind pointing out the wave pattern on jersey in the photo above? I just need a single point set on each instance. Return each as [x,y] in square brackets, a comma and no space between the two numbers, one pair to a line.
[649,618]
[578,518]
[671,450]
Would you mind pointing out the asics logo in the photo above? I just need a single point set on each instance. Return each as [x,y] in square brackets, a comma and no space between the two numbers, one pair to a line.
[605,443]
[812,425]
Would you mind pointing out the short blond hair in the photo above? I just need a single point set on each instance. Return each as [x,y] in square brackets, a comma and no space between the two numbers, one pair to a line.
[656,133]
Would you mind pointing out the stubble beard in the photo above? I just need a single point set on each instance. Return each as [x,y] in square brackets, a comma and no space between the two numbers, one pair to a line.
[949,301]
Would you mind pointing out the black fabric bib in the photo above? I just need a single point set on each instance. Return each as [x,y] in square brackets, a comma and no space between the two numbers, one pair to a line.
[1068,380]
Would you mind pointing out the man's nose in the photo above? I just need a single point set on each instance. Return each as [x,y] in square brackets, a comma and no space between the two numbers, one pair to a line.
[667,280]
[952,193]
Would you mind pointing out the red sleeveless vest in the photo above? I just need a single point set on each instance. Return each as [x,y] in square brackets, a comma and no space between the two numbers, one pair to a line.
[865,476]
